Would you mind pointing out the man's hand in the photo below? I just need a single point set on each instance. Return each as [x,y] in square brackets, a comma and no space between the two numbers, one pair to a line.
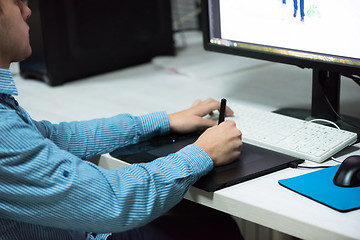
[222,142]
[191,120]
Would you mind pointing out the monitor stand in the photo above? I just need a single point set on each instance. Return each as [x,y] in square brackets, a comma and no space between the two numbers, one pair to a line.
[325,103]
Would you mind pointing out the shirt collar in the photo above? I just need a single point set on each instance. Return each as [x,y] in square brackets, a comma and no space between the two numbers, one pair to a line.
[7,84]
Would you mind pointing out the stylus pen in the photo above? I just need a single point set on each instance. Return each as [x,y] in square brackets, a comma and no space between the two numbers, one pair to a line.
[222,110]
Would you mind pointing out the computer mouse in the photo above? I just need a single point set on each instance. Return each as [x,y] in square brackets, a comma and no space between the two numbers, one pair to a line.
[348,174]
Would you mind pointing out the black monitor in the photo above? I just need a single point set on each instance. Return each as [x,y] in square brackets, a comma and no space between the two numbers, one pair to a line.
[320,35]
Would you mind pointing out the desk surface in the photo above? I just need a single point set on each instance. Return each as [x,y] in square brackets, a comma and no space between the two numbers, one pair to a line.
[172,84]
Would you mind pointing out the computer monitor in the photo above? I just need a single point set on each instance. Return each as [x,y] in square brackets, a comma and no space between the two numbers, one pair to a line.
[321,35]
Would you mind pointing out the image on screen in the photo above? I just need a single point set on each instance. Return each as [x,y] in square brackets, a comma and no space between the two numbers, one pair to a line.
[325,30]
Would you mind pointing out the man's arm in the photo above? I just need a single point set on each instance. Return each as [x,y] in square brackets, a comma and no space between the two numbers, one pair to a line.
[43,184]
[86,139]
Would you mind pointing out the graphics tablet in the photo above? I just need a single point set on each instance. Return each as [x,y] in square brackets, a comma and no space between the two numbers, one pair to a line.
[253,161]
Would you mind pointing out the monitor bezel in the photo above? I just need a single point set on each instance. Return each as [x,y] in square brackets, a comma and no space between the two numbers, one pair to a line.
[343,69]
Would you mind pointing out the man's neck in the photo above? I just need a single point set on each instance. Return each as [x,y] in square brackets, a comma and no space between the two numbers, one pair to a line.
[4,65]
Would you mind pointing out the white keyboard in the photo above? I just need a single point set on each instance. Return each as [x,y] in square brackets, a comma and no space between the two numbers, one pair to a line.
[290,136]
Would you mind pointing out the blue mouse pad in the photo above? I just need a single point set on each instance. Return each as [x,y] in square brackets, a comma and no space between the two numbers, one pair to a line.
[319,186]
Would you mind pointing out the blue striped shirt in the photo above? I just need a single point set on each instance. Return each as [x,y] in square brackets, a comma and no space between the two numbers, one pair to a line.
[48,190]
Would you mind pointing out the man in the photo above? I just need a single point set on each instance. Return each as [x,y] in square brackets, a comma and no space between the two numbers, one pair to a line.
[47,190]
[302,13]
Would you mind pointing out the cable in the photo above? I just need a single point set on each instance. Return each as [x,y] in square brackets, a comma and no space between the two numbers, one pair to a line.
[306,167]
[296,165]
[335,160]
[326,121]
[354,78]
[338,115]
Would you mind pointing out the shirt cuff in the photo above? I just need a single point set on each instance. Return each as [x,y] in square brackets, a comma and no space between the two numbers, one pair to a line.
[199,161]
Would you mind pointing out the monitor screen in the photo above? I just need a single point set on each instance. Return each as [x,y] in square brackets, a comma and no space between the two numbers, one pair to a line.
[314,34]
[319,34]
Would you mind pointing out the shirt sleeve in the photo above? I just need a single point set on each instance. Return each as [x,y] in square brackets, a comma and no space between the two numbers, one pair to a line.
[86,139]
[43,184]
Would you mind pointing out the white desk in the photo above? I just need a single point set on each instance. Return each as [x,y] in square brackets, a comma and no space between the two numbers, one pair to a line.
[152,87]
